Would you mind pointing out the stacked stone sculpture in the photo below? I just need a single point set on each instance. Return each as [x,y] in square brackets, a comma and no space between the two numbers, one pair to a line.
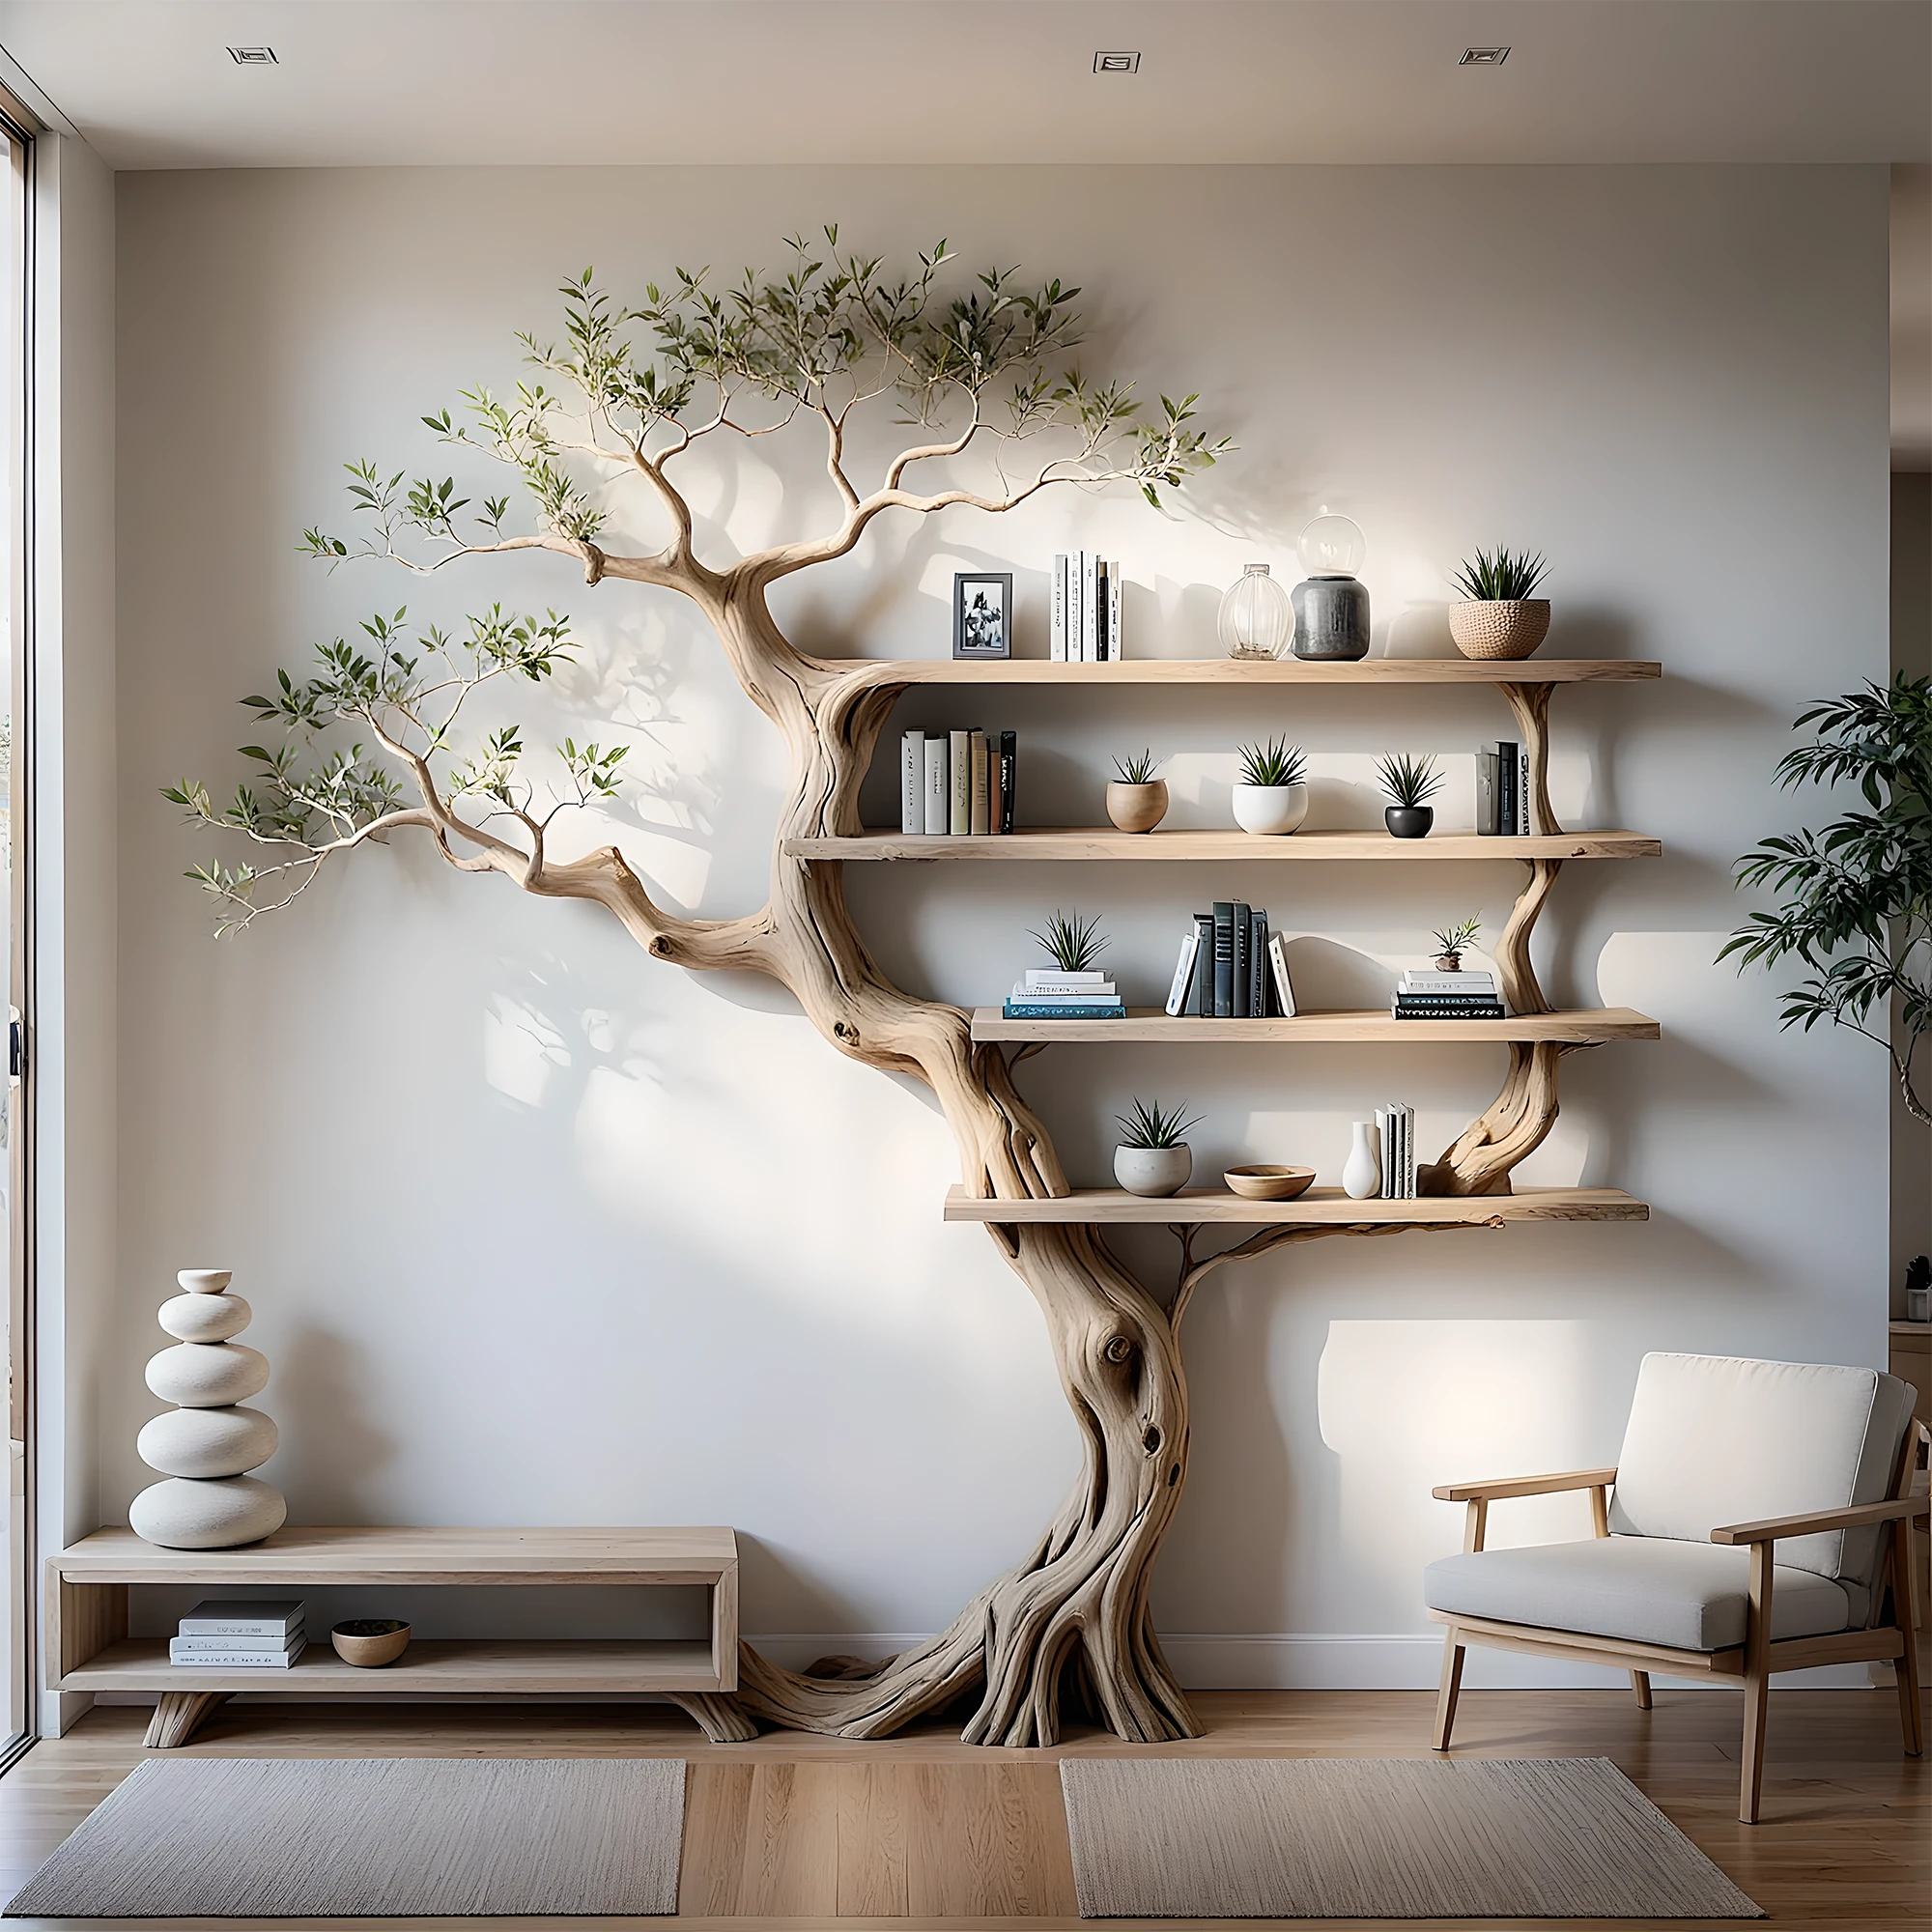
[207,1445]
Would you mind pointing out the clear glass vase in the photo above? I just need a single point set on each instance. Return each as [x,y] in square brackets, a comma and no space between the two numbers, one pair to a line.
[1256,619]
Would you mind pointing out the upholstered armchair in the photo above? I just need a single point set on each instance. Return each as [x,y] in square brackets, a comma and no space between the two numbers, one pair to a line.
[1757,1519]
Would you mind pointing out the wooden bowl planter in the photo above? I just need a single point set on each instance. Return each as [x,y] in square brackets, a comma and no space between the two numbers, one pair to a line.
[1268,1184]
[370,1642]
[1499,630]
[1137,808]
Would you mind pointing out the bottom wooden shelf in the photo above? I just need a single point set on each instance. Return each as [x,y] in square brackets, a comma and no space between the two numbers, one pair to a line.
[449,1668]
[1320,1207]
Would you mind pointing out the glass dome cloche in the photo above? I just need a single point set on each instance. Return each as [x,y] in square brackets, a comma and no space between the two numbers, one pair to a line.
[1256,619]
[1331,607]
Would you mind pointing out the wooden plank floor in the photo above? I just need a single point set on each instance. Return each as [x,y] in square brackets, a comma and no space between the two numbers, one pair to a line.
[813,1833]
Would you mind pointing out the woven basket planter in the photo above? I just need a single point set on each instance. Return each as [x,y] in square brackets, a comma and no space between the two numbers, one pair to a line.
[1502,630]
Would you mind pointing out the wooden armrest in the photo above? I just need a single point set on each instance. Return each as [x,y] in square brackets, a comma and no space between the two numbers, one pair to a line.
[1853,1515]
[1523,1486]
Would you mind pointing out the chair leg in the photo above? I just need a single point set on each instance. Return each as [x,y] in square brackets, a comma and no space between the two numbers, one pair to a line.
[1906,1670]
[1757,1683]
[1452,1688]
[1640,1685]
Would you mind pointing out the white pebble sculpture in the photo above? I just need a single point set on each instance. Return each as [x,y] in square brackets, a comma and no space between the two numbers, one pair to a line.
[207,1445]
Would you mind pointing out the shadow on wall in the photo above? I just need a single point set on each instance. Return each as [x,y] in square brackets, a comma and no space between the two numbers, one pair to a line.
[321,1390]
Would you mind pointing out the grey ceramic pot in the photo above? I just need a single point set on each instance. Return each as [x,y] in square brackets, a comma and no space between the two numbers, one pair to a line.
[1332,619]
[1409,821]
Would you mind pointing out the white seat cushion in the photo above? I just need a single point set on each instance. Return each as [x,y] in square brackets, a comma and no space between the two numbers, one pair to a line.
[1715,1439]
[1691,1596]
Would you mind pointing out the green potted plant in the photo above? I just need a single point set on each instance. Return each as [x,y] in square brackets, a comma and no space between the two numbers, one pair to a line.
[1137,800]
[1272,795]
[1072,942]
[1154,1157]
[1410,783]
[1502,617]
[1450,942]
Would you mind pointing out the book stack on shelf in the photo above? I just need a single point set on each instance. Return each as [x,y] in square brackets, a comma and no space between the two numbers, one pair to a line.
[1502,791]
[242,1635]
[1048,994]
[1085,623]
[956,783]
[1397,1126]
[1230,968]
[1426,994]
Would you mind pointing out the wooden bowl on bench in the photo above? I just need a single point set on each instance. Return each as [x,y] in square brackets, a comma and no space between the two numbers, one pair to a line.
[1269,1183]
[370,1642]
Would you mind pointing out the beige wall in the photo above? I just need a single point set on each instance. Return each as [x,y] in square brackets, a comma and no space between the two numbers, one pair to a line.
[539,1232]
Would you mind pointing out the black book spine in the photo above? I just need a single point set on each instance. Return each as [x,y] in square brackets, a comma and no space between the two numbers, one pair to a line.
[1224,960]
[1243,945]
[1009,751]
[1201,999]
[1258,968]
[1507,809]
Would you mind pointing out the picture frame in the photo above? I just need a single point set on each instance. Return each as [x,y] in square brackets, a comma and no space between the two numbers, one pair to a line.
[982,614]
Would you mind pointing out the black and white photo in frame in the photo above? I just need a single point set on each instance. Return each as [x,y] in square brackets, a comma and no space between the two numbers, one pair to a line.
[982,620]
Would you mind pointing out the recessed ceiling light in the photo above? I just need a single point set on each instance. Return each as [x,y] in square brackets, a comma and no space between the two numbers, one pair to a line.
[253,56]
[1484,57]
[1117,63]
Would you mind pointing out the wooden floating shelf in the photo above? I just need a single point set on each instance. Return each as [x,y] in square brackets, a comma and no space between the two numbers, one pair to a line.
[447,1668]
[1319,1208]
[1103,842]
[1144,1023]
[1239,673]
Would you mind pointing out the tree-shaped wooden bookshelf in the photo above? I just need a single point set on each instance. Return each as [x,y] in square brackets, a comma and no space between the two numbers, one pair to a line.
[371,744]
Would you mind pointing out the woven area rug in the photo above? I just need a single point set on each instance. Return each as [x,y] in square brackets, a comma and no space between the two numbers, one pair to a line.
[1380,1839]
[280,1838]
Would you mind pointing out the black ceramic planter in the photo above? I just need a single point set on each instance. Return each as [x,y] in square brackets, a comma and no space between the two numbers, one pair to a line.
[1409,821]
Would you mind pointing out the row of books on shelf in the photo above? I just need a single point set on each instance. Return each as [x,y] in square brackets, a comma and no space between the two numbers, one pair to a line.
[1430,995]
[1084,621]
[1396,1126]
[956,783]
[218,1635]
[1502,791]
[1047,994]
[1231,968]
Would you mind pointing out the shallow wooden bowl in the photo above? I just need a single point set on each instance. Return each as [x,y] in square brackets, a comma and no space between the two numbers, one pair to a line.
[1269,1183]
[370,1642]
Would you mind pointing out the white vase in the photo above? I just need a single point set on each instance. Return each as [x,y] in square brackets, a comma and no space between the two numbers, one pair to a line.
[1153,1170]
[1362,1173]
[1270,811]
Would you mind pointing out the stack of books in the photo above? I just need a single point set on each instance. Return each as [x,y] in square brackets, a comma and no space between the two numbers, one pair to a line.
[1396,1124]
[241,1635]
[1050,995]
[956,783]
[1085,623]
[1432,995]
[1230,969]
[1502,803]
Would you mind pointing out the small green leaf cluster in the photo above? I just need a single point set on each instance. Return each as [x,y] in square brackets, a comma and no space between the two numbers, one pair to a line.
[1275,763]
[1408,780]
[1501,576]
[1453,939]
[1152,1124]
[1138,769]
[1072,942]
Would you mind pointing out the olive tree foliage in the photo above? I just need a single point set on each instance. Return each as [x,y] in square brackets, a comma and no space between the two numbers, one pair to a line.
[372,740]
[1856,896]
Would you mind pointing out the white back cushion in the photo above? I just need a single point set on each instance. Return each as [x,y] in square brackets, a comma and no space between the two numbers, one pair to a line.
[1716,1439]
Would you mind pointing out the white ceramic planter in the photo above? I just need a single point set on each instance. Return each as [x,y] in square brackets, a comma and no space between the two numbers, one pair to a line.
[1270,811]
[1153,1170]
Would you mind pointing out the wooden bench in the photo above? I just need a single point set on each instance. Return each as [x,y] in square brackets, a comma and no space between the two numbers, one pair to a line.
[89,1648]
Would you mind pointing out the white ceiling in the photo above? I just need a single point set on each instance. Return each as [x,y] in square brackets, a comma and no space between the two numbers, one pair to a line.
[151,85]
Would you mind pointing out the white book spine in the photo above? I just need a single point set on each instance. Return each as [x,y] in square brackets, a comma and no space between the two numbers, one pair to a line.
[1040,975]
[1408,1166]
[1076,572]
[1183,973]
[959,789]
[1114,649]
[1284,991]
[1385,1144]
[937,809]
[233,1659]
[266,1645]
[1056,634]
[912,782]
[1090,607]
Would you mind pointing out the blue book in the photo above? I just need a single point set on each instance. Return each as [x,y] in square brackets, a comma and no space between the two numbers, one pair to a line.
[1043,1010]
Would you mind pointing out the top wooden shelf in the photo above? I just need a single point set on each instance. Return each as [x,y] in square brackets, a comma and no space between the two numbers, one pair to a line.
[381,1556]
[1242,672]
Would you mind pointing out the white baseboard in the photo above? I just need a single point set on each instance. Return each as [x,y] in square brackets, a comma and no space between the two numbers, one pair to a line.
[1310,1662]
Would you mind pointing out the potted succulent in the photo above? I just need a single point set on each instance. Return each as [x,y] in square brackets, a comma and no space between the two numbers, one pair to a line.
[1410,783]
[1449,943]
[1137,800]
[1073,944]
[1272,795]
[1502,617]
[1153,1158]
